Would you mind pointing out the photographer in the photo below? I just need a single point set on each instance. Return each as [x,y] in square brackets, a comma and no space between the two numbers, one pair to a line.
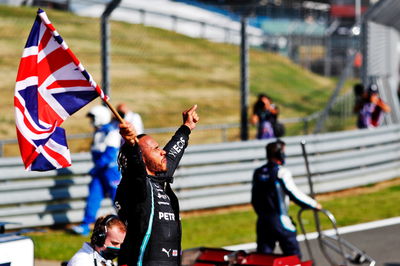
[265,115]
[372,109]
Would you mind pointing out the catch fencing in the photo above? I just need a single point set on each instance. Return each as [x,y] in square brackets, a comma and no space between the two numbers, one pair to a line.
[381,63]
[211,175]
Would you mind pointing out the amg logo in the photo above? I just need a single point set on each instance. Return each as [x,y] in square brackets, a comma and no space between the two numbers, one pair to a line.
[166,216]
[177,148]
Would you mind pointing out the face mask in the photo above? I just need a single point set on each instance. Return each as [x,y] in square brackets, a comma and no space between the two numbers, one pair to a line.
[121,114]
[283,157]
[110,253]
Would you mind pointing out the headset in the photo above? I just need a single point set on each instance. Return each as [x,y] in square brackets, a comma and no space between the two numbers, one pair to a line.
[275,150]
[100,232]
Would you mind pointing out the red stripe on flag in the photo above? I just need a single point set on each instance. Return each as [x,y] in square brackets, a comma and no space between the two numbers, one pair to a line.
[58,157]
[50,26]
[28,152]
[101,93]
[51,63]
[45,40]
[27,67]
[68,84]
[73,57]
[47,113]
[27,123]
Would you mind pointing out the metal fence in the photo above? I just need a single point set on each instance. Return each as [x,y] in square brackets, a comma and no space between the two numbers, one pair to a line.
[381,37]
[340,117]
[212,175]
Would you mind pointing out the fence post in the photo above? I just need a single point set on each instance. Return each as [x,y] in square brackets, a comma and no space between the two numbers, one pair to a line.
[224,134]
[244,83]
[227,35]
[142,16]
[174,23]
[305,125]
[203,29]
[105,43]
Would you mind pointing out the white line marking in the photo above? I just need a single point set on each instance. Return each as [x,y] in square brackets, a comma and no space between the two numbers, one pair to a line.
[342,230]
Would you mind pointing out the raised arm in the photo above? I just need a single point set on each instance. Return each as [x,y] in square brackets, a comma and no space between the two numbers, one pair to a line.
[190,117]
[178,143]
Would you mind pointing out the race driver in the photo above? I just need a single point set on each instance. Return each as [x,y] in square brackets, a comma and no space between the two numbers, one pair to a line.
[145,200]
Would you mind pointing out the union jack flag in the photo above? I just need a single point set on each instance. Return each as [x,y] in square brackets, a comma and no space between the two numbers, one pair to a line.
[51,85]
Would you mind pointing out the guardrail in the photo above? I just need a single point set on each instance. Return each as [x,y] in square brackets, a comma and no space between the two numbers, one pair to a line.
[221,129]
[212,175]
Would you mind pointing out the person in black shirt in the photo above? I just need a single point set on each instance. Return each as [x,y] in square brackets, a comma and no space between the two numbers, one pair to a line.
[264,116]
[145,200]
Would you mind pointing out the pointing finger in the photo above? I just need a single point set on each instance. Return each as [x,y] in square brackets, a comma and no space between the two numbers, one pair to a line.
[192,109]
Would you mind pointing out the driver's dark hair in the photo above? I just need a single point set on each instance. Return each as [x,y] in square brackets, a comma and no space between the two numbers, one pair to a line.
[122,160]
[101,227]
[274,150]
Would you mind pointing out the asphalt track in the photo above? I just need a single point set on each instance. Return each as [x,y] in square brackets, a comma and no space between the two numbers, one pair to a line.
[380,240]
[382,244]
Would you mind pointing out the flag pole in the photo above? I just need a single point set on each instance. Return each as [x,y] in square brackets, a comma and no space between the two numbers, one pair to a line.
[114,111]
[120,119]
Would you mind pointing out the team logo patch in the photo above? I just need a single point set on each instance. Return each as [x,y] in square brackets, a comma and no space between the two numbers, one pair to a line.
[166,251]
[177,148]
[264,177]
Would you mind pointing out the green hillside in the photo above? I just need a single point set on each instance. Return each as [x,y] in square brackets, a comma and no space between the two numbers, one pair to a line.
[159,73]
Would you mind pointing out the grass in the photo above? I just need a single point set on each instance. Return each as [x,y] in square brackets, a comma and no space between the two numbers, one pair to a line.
[231,226]
[159,73]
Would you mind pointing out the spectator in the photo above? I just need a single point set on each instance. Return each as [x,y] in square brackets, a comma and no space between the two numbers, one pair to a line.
[105,174]
[264,116]
[273,186]
[358,90]
[105,242]
[131,117]
[370,114]
[145,200]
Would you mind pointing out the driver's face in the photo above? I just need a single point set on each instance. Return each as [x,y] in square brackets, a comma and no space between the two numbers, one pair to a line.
[153,156]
